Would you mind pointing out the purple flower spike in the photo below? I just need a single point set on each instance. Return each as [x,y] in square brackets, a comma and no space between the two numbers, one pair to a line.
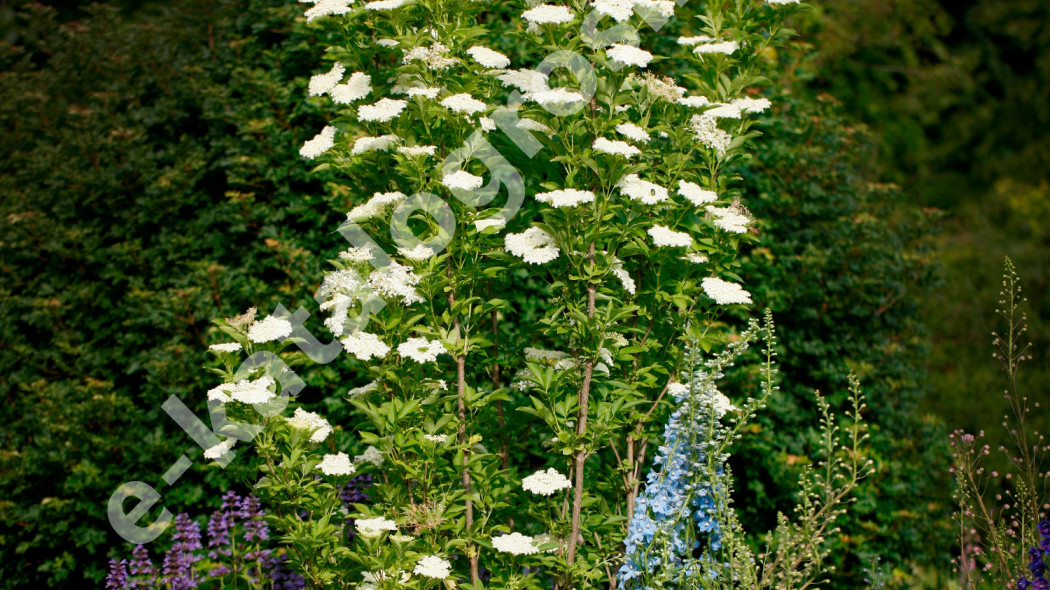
[117,579]
[255,529]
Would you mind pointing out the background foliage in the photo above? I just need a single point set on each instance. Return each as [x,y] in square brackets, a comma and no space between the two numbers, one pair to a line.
[149,182]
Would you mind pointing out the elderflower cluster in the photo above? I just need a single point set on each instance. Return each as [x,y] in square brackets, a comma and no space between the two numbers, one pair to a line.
[646,192]
[488,58]
[269,329]
[534,246]
[246,391]
[338,464]
[365,346]
[432,566]
[340,290]
[729,219]
[515,544]
[463,104]
[724,292]
[357,87]
[363,145]
[383,111]
[421,350]
[568,197]
[545,483]
[462,180]
[709,134]
[433,57]
[664,236]
[696,194]
[633,132]
[548,14]
[373,527]
[322,83]
[320,144]
[396,280]
[377,205]
[312,422]
[615,148]
[628,55]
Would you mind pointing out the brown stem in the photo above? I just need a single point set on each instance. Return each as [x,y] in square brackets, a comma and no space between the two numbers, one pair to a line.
[461,394]
[504,453]
[581,430]
[461,362]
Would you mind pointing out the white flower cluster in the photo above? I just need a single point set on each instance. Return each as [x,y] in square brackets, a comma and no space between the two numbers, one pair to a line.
[320,144]
[534,246]
[462,180]
[415,90]
[568,197]
[662,88]
[515,544]
[433,57]
[694,102]
[724,292]
[225,347]
[633,132]
[695,258]
[615,148]
[438,439]
[383,111]
[421,350]
[646,192]
[359,391]
[718,403]
[396,280]
[713,46]
[377,205]
[371,455]
[488,58]
[355,255]
[269,329]
[311,421]
[373,527]
[338,464]
[696,194]
[328,8]
[220,450]
[463,104]
[782,2]
[383,143]
[417,253]
[548,14]
[664,236]
[628,55]
[357,87]
[246,391]
[729,219]
[322,83]
[432,566]
[482,224]
[527,81]
[555,96]
[544,355]
[417,151]
[385,4]
[545,483]
[365,346]
[694,40]
[709,134]
[340,289]
[619,10]
[751,105]
[624,276]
